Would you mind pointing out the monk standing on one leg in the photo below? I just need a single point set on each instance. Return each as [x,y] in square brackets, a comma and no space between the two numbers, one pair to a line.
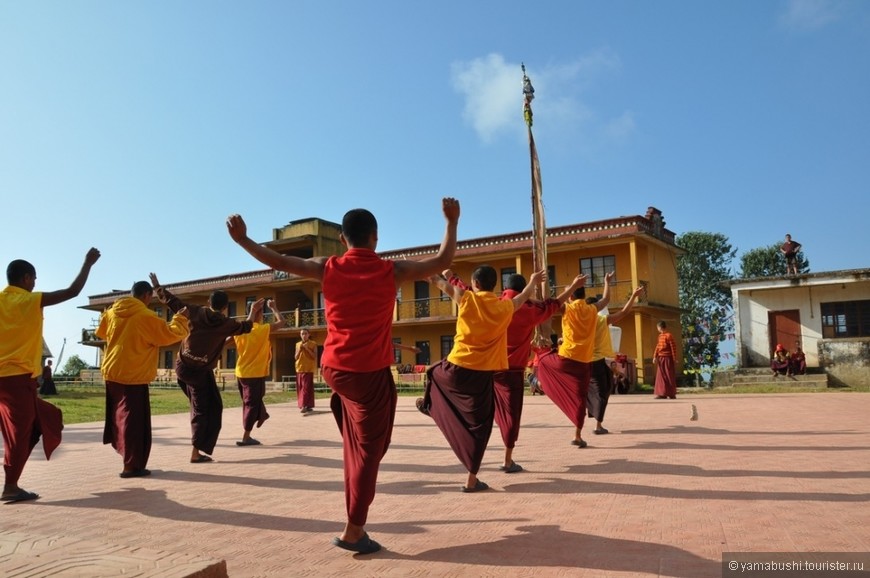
[252,368]
[459,392]
[565,374]
[194,367]
[23,416]
[359,291]
[134,336]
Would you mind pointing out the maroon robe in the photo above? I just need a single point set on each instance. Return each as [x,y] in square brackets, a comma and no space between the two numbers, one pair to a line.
[508,387]
[364,407]
[253,390]
[566,382]
[128,423]
[461,402]
[666,378]
[23,419]
[600,386]
[305,389]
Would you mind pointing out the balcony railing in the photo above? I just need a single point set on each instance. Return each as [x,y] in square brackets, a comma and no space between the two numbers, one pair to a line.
[432,308]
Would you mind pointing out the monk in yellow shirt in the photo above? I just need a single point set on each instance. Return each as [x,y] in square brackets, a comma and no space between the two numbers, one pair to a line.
[23,416]
[252,368]
[306,363]
[459,392]
[134,335]
[565,374]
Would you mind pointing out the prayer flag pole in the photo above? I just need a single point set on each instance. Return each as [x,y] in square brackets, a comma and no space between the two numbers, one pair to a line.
[539,228]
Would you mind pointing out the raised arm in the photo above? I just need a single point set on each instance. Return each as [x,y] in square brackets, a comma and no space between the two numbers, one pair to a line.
[453,291]
[279,319]
[616,317]
[409,270]
[166,296]
[605,297]
[311,268]
[579,281]
[534,281]
[55,297]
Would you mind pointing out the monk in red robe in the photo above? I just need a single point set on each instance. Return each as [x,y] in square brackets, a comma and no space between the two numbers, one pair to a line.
[23,416]
[359,292]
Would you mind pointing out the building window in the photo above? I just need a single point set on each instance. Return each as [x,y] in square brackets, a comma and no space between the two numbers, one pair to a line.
[168,358]
[446,345]
[231,309]
[249,301]
[597,268]
[846,319]
[506,275]
[231,358]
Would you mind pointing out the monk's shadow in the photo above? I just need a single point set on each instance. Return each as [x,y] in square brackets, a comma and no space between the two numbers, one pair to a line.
[338,464]
[156,504]
[588,487]
[547,546]
[743,448]
[699,430]
[622,466]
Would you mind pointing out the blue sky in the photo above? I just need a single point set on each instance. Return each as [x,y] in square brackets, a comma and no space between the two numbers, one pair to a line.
[137,127]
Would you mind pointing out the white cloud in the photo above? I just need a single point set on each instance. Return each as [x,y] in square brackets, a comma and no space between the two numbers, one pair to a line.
[804,15]
[620,129]
[492,89]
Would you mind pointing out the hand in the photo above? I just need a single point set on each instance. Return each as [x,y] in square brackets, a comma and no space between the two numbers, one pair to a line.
[450,206]
[579,281]
[154,282]
[91,257]
[608,279]
[538,277]
[640,290]
[448,273]
[237,228]
[184,312]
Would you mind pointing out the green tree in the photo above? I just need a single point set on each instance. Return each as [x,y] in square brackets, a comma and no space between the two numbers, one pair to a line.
[706,303]
[769,262]
[73,366]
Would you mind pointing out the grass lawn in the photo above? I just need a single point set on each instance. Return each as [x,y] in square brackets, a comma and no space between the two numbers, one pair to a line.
[87,403]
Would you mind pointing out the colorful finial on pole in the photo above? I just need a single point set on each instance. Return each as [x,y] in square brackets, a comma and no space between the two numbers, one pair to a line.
[528,97]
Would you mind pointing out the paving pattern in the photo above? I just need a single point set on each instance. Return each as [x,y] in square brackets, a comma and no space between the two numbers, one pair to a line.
[661,495]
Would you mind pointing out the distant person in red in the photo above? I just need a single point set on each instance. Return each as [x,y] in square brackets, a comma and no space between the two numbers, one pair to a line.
[798,360]
[780,363]
[664,356]
[306,363]
[790,250]
[24,418]
[199,354]
[359,291]
[565,374]
[47,387]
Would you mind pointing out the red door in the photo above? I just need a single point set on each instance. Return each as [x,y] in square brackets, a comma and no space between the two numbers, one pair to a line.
[785,328]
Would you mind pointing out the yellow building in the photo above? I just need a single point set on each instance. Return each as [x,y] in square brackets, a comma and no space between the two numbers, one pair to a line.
[638,248]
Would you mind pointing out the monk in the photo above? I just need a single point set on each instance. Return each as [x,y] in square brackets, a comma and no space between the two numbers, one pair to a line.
[47,387]
[565,374]
[601,375]
[24,417]
[253,368]
[306,363]
[133,336]
[359,291]
[459,392]
[194,366]
[663,357]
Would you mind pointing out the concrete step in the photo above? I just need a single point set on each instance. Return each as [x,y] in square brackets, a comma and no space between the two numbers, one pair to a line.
[24,555]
